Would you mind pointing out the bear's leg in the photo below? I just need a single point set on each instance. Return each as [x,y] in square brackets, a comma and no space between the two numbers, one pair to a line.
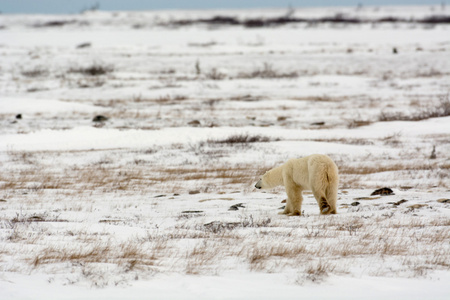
[324,207]
[294,201]
[286,210]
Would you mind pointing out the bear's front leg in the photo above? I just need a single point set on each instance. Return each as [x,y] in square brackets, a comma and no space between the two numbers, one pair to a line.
[286,210]
[294,201]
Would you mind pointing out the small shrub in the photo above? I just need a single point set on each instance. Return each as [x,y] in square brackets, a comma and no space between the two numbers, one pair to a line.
[317,272]
[267,71]
[57,23]
[214,74]
[241,139]
[95,69]
[35,72]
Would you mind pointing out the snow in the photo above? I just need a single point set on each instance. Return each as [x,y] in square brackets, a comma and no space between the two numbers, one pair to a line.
[33,105]
[138,206]
[239,286]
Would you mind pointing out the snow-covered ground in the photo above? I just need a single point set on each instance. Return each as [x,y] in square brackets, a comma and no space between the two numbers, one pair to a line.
[158,200]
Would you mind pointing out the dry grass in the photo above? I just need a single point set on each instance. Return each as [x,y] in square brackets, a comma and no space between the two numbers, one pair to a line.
[441,109]
[201,258]
[35,72]
[130,252]
[316,272]
[137,101]
[263,244]
[323,98]
[358,169]
[141,173]
[347,141]
[108,175]
[260,254]
[267,72]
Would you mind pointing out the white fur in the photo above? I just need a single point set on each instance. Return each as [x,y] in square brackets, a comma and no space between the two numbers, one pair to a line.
[316,172]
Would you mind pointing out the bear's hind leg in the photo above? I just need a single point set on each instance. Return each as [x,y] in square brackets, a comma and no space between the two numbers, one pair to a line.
[324,207]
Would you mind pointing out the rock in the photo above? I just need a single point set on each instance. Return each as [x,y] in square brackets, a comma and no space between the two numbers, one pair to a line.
[84,45]
[383,192]
[159,196]
[195,123]
[358,123]
[356,203]
[416,206]
[400,202]
[394,50]
[35,219]
[19,116]
[111,221]
[176,194]
[192,212]
[281,118]
[443,200]
[366,198]
[284,201]
[318,124]
[194,192]
[99,118]
[217,226]
[2,200]
[236,206]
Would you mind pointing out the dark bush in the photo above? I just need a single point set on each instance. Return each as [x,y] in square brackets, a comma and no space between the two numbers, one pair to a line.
[288,19]
[242,139]
[35,72]
[94,70]
[55,23]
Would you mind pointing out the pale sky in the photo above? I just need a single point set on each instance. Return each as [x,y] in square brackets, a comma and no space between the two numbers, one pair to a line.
[75,6]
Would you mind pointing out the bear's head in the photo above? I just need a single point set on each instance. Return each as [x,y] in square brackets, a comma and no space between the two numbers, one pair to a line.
[270,179]
[261,184]
[258,185]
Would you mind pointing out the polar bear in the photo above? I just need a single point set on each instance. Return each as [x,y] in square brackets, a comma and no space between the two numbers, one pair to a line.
[316,172]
